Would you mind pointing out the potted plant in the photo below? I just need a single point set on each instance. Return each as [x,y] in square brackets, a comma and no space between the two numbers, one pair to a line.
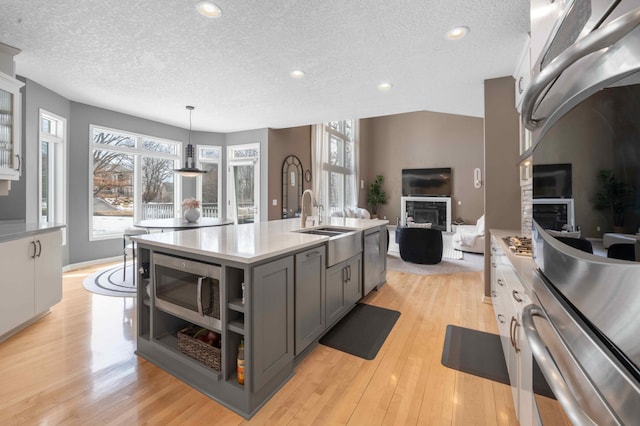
[615,196]
[376,195]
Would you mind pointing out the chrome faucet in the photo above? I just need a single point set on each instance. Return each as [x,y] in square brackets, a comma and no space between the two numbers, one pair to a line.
[307,202]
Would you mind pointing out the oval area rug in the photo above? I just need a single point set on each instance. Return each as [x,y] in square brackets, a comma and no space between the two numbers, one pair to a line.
[109,282]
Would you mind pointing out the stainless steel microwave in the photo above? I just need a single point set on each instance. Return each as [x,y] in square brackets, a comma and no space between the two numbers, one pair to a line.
[188,289]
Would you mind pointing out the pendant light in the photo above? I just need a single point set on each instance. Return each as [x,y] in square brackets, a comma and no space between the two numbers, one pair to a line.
[189,168]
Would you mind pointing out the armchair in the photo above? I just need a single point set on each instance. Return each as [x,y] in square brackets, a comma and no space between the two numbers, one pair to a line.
[469,238]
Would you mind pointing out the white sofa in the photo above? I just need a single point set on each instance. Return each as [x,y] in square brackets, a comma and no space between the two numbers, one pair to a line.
[469,238]
[358,213]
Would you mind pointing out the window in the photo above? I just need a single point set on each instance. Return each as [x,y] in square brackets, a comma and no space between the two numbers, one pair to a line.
[132,179]
[243,182]
[209,184]
[52,166]
[337,188]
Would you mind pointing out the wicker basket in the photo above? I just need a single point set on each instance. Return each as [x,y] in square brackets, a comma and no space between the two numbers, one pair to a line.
[200,351]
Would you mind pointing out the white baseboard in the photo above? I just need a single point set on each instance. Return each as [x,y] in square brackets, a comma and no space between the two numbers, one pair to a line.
[80,265]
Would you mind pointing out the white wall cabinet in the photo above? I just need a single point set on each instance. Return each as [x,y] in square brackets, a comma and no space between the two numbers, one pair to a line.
[31,279]
[10,127]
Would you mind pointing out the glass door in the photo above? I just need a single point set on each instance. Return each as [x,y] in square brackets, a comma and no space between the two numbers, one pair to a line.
[243,177]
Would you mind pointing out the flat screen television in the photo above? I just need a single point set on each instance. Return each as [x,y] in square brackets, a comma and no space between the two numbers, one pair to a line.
[552,181]
[427,182]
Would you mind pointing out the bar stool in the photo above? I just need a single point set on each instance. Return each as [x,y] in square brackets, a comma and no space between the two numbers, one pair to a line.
[128,244]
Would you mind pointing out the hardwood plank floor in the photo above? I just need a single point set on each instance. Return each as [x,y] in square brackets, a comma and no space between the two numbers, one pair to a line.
[77,366]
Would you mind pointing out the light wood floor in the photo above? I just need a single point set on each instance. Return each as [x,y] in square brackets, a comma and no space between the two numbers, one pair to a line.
[77,366]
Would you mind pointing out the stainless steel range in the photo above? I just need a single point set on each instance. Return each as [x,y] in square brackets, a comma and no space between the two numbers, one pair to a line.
[520,246]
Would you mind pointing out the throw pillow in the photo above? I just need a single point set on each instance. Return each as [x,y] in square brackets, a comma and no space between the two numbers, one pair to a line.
[554,233]
[480,226]
[419,225]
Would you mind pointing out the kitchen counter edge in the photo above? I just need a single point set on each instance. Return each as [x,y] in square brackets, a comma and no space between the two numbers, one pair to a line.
[251,243]
[10,231]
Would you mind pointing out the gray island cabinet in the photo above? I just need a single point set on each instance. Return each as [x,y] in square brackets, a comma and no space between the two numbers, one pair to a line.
[265,285]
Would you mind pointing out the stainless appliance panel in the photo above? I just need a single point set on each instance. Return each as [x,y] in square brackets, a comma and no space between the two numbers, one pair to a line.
[583,109]
[556,24]
[603,388]
[186,288]
[606,291]
[601,59]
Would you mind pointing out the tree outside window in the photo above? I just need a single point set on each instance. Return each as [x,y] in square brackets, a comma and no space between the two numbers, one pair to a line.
[133,179]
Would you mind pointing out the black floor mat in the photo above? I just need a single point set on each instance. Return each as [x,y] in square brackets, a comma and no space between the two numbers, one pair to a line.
[480,353]
[362,331]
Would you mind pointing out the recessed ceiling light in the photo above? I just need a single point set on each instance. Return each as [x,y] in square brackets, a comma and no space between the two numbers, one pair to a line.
[384,87]
[297,74]
[457,33]
[208,9]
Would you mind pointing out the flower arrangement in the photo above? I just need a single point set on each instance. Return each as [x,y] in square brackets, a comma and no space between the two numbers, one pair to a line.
[190,203]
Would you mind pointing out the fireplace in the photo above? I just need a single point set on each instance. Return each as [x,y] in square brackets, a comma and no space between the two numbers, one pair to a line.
[426,215]
[554,213]
[434,210]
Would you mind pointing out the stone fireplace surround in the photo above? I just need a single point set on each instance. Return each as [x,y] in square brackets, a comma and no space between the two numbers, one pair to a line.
[434,210]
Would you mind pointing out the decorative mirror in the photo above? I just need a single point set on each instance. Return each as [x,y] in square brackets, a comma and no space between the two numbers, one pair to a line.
[291,187]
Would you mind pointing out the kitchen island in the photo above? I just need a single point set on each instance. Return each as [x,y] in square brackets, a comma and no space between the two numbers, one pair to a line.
[270,285]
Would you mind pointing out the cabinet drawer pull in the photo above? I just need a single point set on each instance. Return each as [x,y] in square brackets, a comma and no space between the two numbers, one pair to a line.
[348,272]
[35,250]
[39,248]
[493,264]
[520,89]
[500,282]
[19,163]
[501,318]
[313,253]
[516,296]
[512,333]
[493,293]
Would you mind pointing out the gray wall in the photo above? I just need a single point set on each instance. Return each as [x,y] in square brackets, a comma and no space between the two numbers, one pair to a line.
[282,143]
[423,140]
[501,154]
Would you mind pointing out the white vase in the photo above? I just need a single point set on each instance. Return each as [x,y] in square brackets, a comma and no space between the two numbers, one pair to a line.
[192,215]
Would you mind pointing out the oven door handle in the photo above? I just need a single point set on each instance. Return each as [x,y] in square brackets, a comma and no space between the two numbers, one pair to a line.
[548,366]
[598,39]
[199,297]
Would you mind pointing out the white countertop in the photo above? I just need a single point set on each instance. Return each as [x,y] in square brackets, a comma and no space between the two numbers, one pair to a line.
[251,242]
[14,230]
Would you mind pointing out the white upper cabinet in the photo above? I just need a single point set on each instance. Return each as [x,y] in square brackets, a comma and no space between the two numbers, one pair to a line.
[523,75]
[10,127]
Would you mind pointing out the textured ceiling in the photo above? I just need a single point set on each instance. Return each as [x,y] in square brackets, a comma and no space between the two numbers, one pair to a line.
[151,58]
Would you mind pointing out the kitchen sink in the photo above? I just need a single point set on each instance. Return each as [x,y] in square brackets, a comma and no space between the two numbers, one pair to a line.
[343,243]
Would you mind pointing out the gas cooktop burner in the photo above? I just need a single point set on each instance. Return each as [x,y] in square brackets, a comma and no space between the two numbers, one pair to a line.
[520,246]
